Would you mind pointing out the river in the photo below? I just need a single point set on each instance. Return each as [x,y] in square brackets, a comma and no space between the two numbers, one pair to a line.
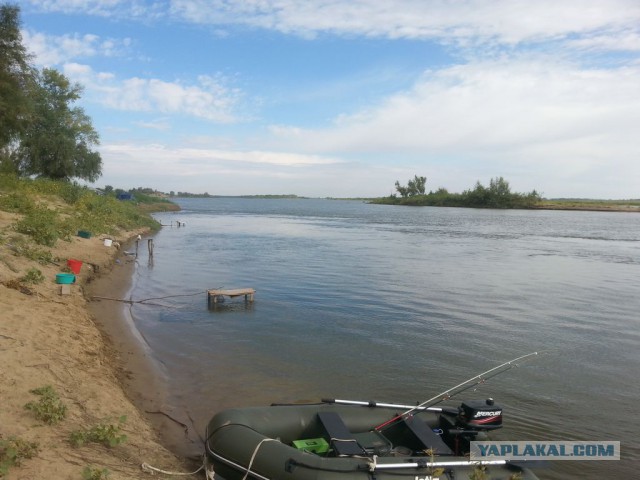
[396,304]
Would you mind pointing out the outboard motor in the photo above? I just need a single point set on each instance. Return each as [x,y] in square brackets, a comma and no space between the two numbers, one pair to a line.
[474,417]
[480,414]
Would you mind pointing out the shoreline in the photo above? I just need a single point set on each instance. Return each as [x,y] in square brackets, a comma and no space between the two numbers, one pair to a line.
[141,376]
[83,351]
[592,208]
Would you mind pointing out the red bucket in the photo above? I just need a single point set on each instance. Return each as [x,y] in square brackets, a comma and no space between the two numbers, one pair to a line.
[74,265]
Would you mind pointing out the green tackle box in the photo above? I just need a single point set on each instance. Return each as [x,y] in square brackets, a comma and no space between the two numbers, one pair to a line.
[312,445]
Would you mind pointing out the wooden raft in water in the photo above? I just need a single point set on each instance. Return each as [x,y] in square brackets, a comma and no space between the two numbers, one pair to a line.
[214,296]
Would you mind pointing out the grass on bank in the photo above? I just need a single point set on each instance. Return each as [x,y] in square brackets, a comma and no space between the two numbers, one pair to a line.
[589,204]
[107,433]
[13,451]
[76,208]
[50,410]
[92,473]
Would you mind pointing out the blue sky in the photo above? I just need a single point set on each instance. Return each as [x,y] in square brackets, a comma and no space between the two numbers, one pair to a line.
[342,98]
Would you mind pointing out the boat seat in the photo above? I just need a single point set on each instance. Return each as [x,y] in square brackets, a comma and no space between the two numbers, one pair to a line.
[341,439]
[427,437]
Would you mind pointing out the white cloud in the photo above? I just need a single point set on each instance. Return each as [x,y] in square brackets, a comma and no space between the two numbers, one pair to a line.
[492,104]
[160,124]
[104,8]
[228,172]
[622,41]
[50,50]
[195,161]
[467,21]
[464,22]
[77,71]
[524,116]
[208,99]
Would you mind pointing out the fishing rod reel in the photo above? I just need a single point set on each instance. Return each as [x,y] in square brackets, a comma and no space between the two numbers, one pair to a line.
[471,421]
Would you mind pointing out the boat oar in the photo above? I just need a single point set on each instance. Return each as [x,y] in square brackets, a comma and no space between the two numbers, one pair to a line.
[426,464]
[447,394]
[378,404]
[373,466]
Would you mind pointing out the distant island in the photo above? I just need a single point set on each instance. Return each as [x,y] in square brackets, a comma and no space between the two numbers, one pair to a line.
[497,195]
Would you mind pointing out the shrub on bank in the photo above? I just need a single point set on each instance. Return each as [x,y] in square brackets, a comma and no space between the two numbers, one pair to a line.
[16,203]
[49,408]
[13,451]
[76,208]
[42,225]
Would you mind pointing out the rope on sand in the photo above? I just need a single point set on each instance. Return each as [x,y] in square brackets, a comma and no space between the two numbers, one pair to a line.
[153,470]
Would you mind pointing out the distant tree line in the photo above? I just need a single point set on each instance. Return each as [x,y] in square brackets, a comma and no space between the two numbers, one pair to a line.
[189,195]
[42,134]
[139,196]
[150,192]
[497,195]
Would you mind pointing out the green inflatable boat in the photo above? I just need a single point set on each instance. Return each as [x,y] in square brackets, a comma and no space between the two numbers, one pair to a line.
[340,440]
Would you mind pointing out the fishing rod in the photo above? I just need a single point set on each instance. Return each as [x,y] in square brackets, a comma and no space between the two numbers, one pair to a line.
[461,387]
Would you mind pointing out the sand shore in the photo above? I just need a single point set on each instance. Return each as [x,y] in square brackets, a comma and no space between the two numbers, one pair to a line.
[87,353]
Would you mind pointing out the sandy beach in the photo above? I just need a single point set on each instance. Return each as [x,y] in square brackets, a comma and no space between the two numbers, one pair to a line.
[87,353]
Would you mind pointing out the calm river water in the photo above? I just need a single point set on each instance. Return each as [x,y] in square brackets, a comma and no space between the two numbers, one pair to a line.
[397,304]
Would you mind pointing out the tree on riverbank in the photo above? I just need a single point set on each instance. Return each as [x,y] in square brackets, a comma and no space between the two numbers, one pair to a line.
[15,76]
[497,195]
[41,133]
[414,187]
[57,142]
